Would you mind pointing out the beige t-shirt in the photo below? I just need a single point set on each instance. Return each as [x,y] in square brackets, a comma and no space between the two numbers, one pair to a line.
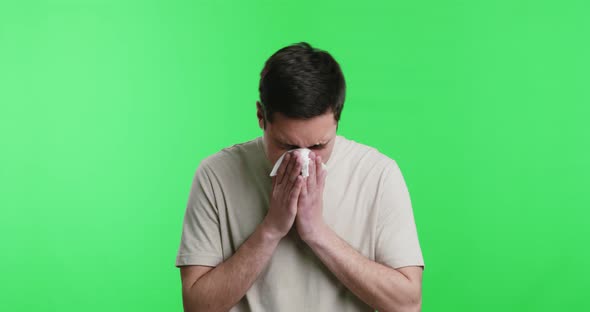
[366,202]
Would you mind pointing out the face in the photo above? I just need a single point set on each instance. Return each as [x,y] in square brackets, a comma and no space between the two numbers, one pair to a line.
[283,134]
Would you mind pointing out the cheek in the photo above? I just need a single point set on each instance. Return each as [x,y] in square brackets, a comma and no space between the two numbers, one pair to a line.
[323,154]
[275,154]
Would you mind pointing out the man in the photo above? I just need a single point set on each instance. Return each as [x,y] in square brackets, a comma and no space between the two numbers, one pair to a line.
[341,239]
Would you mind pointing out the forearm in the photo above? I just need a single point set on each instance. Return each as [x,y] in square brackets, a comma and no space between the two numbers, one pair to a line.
[379,286]
[223,287]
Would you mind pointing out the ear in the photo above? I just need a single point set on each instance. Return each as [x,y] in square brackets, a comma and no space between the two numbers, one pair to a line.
[260,116]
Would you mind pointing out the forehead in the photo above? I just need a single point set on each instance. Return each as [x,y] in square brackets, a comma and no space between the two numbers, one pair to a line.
[303,132]
[304,139]
[316,141]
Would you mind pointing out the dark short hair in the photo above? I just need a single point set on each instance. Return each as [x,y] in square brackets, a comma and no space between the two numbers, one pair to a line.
[301,82]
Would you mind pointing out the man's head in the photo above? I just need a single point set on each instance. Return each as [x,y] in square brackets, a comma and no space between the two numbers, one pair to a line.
[302,92]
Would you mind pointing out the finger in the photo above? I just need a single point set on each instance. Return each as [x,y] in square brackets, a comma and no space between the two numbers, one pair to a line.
[319,166]
[292,162]
[282,168]
[303,191]
[311,179]
[294,195]
[294,173]
[322,173]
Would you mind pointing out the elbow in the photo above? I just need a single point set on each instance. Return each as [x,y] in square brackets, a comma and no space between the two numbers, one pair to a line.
[199,307]
[411,304]
[414,304]
[414,299]
[414,307]
[407,307]
[189,302]
[192,303]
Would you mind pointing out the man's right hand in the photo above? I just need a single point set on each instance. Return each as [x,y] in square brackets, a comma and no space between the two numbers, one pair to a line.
[217,289]
[286,186]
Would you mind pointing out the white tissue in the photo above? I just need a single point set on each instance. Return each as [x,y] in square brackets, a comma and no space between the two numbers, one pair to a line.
[304,152]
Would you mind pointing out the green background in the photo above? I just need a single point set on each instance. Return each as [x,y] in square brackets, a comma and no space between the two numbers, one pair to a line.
[107,108]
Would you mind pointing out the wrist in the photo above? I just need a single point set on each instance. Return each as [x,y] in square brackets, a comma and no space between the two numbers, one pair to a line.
[269,233]
[317,232]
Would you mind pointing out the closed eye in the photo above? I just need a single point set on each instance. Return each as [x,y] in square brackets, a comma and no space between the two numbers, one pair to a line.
[290,147]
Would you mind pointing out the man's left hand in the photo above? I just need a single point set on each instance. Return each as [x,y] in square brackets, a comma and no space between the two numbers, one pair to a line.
[310,220]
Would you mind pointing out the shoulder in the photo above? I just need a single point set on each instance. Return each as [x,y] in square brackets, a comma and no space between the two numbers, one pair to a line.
[369,157]
[229,159]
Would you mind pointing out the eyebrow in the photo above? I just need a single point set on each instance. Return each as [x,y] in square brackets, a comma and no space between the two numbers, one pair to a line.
[296,146]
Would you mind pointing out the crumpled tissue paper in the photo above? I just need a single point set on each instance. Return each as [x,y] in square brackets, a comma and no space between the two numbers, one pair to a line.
[304,152]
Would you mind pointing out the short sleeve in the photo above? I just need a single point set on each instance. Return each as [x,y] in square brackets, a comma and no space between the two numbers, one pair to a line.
[397,239]
[200,243]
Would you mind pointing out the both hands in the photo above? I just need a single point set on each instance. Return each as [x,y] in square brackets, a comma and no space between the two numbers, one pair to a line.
[296,199]
[310,201]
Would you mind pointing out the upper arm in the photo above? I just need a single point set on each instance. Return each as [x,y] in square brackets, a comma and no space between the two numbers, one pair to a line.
[189,274]
[200,242]
[396,244]
[414,275]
